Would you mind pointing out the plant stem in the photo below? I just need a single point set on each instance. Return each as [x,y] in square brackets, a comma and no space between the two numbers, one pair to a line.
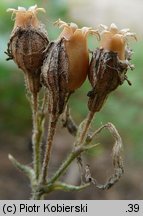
[65,164]
[51,131]
[38,128]
[36,135]
[75,153]
[67,187]
[36,195]
[63,186]
[83,134]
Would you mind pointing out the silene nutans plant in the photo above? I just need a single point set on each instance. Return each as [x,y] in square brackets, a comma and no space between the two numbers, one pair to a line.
[53,70]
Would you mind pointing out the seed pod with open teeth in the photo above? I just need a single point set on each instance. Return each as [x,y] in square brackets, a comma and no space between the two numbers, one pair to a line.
[66,65]
[109,65]
[27,44]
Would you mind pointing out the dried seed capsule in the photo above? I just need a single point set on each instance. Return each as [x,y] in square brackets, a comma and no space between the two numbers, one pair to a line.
[66,64]
[54,74]
[27,44]
[108,66]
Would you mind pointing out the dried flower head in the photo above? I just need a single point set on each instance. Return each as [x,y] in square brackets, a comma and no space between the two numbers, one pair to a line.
[113,39]
[109,65]
[27,44]
[66,64]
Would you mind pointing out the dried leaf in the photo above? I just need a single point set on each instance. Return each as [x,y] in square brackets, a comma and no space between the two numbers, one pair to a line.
[116,158]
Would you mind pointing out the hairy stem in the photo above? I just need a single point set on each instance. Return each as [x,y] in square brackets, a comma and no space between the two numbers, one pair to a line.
[38,129]
[36,135]
[83,132]
[86,127]
[63,187]
[65,164]
[76,152]
[51,132]
[37,195]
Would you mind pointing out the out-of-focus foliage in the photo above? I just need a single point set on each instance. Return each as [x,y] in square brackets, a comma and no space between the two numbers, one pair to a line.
[123,107]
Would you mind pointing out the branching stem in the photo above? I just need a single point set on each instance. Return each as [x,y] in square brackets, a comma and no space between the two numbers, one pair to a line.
[86,127]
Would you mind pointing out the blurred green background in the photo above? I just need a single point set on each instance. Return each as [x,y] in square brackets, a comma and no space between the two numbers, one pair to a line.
[124,108]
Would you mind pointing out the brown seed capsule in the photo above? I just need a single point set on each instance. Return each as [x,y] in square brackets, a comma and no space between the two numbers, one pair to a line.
[66,64]
[27,44]
[54,74]
[108,68]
